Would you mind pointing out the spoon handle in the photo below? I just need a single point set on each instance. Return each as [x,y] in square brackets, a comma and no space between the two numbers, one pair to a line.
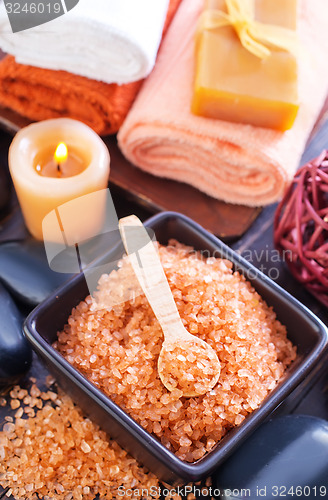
[149,271]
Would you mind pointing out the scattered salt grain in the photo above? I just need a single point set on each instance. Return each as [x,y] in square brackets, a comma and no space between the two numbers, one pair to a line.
[19,413]
[8,428]
[85,447]
[56,460]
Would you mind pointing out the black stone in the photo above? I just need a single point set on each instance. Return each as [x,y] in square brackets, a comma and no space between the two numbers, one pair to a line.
[15,351]
[25,272]
[286,457]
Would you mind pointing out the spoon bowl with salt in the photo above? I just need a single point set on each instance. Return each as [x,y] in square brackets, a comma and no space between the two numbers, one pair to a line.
[186,362]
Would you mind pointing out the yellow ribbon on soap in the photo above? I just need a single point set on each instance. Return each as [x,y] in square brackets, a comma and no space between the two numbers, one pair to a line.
[253,35]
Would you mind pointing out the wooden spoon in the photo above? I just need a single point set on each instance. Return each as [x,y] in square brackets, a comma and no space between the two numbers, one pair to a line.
[185,362]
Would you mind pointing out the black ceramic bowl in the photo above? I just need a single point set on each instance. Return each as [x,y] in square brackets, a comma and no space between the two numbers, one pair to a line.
[304,330]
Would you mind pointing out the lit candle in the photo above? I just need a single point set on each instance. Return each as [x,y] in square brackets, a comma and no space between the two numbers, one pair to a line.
[59,163]
[56,161]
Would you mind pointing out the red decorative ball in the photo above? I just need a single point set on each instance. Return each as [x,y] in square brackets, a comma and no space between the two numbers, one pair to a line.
[301,227]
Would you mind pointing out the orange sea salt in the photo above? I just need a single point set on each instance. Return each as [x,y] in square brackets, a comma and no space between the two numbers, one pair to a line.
[59,454]
[118,350]
[191,368]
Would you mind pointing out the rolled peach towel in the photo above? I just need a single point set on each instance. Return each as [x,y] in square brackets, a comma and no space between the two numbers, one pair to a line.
[230,161]
[40,94]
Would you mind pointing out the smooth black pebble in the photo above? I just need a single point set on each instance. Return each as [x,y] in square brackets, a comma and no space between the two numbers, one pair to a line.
[15,351]
[286,457]
[25,271]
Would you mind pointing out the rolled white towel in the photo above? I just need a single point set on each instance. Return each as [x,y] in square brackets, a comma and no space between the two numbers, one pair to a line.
[115,41]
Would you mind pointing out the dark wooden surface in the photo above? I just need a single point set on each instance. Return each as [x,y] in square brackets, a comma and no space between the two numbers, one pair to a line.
[256,245]
[224,219]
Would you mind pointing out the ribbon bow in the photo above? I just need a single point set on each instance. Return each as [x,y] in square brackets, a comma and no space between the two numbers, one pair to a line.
[253,35]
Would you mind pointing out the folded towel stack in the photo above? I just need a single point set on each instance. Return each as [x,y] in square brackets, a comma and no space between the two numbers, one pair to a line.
[234,162]
[108,40]
[40,94]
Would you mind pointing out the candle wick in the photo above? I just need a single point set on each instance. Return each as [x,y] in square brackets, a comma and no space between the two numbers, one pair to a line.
[58,168]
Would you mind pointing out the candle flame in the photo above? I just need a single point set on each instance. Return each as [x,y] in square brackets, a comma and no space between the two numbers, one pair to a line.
[61,153]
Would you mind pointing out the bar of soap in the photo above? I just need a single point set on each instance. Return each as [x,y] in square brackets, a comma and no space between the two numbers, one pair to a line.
[232,84]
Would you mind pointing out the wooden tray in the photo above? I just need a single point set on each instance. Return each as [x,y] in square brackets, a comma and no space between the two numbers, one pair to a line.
[226,220]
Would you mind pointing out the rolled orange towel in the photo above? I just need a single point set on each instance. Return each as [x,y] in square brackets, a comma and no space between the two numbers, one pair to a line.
[40,94]
[233,162]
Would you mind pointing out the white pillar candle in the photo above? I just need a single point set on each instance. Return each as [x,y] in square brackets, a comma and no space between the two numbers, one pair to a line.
[42,186]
